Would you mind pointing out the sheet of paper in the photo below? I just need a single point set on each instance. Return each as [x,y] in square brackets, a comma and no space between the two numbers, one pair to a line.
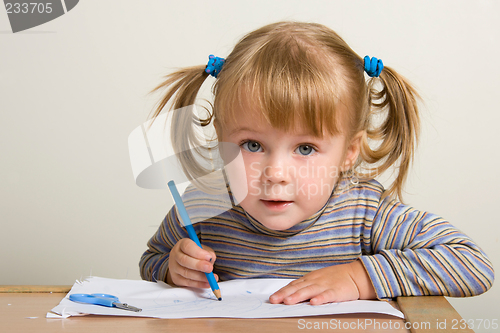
[248,298]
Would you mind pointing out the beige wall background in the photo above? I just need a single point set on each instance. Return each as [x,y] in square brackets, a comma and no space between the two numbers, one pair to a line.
[73,89]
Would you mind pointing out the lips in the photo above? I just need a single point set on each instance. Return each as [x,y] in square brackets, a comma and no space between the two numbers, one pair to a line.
[276,204]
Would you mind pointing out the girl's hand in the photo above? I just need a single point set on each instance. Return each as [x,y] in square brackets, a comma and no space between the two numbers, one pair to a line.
[337,283]
[187,264]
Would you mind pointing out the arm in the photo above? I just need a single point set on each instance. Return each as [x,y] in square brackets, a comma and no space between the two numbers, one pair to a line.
[174,258]
[416,253]
[154,262]
[406,253]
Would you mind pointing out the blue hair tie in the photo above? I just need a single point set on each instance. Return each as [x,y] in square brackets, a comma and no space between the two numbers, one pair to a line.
[214,65]
[373,66]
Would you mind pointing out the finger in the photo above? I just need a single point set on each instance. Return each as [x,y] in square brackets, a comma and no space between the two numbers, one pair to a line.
[187,273]
[303,294]
[181,275]
[185,282]
[327,296]
[193,250]
[286,291]
[296,282]
[178,273]
[191,279]
[211,252]
[189,263]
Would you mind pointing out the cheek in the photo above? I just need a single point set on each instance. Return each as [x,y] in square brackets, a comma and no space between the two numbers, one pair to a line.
[253,174]
[318,183]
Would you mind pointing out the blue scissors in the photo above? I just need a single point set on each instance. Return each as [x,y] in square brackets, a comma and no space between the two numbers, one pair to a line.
[102,299]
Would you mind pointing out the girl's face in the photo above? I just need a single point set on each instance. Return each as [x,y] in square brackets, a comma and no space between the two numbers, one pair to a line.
[290,176]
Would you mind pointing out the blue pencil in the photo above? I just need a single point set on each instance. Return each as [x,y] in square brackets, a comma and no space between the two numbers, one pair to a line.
[192,234]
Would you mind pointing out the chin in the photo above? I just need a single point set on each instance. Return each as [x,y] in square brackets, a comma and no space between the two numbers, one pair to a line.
[278,226]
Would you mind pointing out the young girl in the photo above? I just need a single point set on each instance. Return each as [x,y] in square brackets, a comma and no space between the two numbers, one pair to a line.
[314,133]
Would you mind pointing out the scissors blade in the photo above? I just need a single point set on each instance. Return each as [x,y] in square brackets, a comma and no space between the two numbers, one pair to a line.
[125,306]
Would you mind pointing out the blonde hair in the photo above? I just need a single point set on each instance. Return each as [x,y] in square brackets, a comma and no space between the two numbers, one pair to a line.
[304,73]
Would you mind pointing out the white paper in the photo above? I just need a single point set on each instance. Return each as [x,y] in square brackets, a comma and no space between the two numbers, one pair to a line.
[247,298]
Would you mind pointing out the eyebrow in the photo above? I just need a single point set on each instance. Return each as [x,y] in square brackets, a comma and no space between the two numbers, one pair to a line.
[242,129]
[248,129]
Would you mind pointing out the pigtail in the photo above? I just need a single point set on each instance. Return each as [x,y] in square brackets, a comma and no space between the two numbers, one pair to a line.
[191,150]
[183,85]
[398,132]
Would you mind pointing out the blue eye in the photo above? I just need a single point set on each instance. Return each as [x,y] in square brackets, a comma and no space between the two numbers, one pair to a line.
[305,150]
[251,146]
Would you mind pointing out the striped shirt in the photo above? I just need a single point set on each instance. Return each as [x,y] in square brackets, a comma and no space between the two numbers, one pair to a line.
[406,252]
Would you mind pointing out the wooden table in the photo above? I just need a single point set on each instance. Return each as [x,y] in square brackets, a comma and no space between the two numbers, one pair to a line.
[23,309]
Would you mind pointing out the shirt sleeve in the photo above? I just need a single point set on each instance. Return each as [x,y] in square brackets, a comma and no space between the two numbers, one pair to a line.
[153,264]
[415,253]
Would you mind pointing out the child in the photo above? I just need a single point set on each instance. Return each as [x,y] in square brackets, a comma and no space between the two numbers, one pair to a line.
[294,97]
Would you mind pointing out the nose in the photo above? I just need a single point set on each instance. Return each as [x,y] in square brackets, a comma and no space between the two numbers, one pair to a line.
[275,170]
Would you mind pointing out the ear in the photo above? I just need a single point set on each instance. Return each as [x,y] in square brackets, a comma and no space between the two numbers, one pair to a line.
[352,152]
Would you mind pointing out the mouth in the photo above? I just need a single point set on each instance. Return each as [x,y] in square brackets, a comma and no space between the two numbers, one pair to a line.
[276,205]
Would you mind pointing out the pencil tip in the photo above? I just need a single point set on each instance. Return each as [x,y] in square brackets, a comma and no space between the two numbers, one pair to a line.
[218,294]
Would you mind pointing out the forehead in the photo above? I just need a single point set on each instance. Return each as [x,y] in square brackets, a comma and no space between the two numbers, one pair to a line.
[253,121]
[250,112]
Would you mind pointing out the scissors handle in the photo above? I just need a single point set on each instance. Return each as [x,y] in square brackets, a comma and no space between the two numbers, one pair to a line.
[97,299]
[102,299]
